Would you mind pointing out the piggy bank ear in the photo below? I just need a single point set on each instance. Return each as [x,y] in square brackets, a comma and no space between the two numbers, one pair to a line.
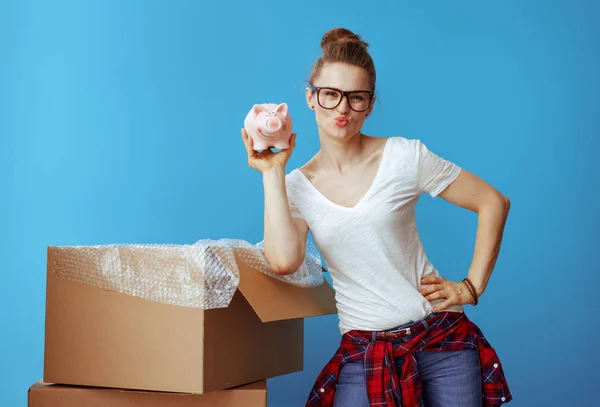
[282,109]
[257,109]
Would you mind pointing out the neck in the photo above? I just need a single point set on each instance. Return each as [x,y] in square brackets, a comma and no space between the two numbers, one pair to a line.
[339,154]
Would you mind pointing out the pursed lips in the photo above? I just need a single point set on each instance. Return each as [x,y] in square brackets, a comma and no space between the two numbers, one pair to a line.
[341,120]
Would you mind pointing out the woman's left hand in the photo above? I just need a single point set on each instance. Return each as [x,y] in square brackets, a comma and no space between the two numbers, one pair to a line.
[438,287]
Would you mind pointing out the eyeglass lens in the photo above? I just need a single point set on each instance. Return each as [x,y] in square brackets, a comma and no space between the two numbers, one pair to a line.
[331,98]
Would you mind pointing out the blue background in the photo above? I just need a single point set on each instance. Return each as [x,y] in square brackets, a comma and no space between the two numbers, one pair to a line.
[120,123]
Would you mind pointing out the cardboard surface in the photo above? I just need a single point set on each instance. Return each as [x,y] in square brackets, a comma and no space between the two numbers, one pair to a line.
[50,395]
[241,348]
[108,339]
[101,338]
[275,300]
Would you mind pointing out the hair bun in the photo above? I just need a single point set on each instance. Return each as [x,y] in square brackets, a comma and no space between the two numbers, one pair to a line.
[340,35]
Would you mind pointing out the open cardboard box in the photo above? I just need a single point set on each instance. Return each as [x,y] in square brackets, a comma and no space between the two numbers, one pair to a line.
[102,338]
[54,395]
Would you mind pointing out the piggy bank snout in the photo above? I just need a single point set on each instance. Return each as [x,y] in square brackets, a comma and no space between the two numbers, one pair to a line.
[274,124]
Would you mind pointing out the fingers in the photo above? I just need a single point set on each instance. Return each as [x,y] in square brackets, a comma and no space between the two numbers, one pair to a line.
[443,306]
[452,292]
[246,140]
[293,140]
[431,288]
[249,144]
[431,280]
[436,295]
[292,144]
[442,293]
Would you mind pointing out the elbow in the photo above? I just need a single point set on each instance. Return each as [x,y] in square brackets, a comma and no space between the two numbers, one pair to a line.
[288,266]
[496,203]
[285,260]
[500,205]
[284,269]
[505,202]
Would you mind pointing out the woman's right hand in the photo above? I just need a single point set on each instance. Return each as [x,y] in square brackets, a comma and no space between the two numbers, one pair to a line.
[266,160]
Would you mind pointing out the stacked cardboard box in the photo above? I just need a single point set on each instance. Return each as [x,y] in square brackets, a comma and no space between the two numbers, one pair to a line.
[56,395]
[103,345]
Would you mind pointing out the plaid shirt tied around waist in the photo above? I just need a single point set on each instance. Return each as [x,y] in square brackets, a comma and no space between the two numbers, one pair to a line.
[389,387]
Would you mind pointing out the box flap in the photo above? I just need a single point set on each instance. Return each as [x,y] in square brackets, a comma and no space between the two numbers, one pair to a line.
[275,300]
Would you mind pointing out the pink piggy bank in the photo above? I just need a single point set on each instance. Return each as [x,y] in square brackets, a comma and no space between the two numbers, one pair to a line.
[269,125]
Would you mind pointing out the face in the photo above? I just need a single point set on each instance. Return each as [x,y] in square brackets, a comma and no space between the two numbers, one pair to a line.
[340,122]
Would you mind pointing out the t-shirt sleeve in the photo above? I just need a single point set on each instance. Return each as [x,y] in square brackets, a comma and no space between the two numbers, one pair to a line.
[289,185]
[294,209]
[434,173]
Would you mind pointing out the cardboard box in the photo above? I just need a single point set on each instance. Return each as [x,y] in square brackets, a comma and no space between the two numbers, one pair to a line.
[55,395]
[102,338]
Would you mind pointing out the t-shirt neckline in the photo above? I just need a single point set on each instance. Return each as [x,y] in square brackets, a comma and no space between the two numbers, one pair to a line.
[367,194]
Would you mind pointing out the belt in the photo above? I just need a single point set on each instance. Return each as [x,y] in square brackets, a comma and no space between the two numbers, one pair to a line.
[401,332]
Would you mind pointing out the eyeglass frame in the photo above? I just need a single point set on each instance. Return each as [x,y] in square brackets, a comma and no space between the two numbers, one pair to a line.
[344,93]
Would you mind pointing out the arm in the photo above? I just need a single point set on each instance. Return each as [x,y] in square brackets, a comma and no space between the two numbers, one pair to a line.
[285,237]
[471,192]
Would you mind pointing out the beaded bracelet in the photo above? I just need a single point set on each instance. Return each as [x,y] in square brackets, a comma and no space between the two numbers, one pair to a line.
[471,290]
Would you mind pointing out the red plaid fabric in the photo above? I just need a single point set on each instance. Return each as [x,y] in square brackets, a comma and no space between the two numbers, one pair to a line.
[389,387]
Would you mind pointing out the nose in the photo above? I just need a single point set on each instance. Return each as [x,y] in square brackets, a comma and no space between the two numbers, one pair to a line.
[344,105]
[274,124]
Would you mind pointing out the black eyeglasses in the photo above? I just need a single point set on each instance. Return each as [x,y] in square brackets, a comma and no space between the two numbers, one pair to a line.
[330,98]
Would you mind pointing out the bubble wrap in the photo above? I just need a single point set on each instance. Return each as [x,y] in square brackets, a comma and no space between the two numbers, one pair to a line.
[201,275]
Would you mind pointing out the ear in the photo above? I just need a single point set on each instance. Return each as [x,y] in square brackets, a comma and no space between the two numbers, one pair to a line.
[282,109]
[257,109]
[310,95]
[371,107]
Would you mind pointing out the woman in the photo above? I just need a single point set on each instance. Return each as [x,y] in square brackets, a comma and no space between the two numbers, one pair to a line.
[405,338]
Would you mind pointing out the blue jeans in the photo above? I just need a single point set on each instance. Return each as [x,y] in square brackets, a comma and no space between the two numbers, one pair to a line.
[450,379]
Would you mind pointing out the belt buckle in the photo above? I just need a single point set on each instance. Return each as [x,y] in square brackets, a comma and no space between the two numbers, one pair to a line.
[407,331]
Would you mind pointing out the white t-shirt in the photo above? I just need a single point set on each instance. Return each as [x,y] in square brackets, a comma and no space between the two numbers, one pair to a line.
[373,250]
